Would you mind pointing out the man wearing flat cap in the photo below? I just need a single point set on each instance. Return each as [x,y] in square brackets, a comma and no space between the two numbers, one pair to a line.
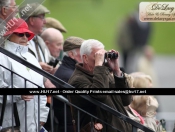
[71,47]
[34,15]
[54,23]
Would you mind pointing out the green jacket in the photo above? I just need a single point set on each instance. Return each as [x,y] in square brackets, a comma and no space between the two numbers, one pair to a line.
[101,78]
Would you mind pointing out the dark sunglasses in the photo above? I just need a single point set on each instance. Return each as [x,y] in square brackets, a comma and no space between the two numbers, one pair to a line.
[22,34]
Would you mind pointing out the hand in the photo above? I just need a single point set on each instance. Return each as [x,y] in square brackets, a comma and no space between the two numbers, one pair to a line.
[46,67]
[49,84]
[42,123]
[98,126]
[54,70]
[114,64]
[99,57]
[27,97]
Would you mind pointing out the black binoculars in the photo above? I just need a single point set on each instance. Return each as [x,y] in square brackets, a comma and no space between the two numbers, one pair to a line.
[53,62]
[111,55]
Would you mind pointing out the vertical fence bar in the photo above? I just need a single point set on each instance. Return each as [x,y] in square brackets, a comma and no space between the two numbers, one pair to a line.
[78,123]
[51,114]
[25,86]
[38,113]
[134,129]
[65,117]
[12,102]
[92,124]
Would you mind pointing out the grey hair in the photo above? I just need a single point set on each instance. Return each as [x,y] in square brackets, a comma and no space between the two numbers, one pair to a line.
[88,45]
[74,52]
[4,3]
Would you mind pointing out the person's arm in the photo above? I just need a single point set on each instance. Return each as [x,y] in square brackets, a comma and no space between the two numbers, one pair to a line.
[46,67]
[120,79]
[3,84]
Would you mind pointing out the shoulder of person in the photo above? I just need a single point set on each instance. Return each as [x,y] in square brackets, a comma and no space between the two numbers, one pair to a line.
[40,39]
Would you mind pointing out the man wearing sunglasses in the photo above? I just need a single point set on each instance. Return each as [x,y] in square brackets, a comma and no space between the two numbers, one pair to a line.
[8,10]
[35,18]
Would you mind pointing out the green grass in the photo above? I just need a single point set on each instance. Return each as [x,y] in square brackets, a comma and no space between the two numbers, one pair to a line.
[99,19]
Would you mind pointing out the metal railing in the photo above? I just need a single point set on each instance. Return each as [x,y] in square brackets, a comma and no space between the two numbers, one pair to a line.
[134,124]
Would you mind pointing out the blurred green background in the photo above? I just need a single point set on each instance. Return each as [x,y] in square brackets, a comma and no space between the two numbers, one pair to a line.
[99,19]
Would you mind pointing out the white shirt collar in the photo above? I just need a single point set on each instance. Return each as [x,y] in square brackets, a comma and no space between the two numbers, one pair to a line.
[16,48]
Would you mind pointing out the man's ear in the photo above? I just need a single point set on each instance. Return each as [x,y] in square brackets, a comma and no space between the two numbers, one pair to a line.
[71,55]
[85,59]
[3,11]
[47,42]
[31,20]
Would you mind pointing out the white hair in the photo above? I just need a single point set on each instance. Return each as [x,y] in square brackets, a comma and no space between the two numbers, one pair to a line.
[88,45]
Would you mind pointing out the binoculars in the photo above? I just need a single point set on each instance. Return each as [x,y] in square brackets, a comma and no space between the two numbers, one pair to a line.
[111,55]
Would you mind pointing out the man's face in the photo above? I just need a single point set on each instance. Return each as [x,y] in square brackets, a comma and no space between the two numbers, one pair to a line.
[90,59]
[77,57]
[38,23]
[11,10]
[55,47]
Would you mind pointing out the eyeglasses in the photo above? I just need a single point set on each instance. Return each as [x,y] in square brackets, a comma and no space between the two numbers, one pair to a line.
[15,6]
[41,17]
[22,34]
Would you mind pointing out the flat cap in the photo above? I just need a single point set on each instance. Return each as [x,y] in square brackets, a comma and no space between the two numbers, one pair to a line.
[72,43]
[54,23]
[32,9]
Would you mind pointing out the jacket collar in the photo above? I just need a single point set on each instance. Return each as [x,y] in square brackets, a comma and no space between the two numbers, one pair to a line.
[15,48]
[80,67]
[69,62]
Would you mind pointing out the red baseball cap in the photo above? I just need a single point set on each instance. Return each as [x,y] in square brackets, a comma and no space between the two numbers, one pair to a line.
[18,25]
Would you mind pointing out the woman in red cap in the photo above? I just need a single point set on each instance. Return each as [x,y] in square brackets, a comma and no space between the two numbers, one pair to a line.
[17,37]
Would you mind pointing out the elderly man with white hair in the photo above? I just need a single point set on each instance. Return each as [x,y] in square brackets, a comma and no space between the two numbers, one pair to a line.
[53,38]
[92,73]
[54,41]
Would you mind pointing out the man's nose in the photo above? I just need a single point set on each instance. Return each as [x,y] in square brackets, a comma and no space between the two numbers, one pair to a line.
[44,21]
[61,47]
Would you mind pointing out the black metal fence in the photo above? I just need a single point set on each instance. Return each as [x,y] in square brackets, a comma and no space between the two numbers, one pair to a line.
[134,124]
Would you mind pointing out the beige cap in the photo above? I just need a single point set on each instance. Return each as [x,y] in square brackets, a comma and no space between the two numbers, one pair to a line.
[54,23]
[32,9]
[72,43]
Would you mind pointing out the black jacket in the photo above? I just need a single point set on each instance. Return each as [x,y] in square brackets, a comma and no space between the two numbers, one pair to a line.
[64,72]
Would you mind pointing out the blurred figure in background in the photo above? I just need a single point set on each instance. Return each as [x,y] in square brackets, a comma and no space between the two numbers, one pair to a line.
[145,105]
[54,23]
[163,122]
[174,128]
[145,64]
[133,35]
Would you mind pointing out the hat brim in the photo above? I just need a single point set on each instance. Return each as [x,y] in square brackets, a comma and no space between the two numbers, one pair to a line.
[21,30]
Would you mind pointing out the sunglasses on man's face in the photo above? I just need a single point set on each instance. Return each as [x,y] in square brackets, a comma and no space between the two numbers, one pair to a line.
[22,34]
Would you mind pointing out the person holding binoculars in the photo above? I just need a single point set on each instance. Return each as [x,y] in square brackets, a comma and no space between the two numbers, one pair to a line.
[93,73]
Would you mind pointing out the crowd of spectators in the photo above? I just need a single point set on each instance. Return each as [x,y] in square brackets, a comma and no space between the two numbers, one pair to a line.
[83,64]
